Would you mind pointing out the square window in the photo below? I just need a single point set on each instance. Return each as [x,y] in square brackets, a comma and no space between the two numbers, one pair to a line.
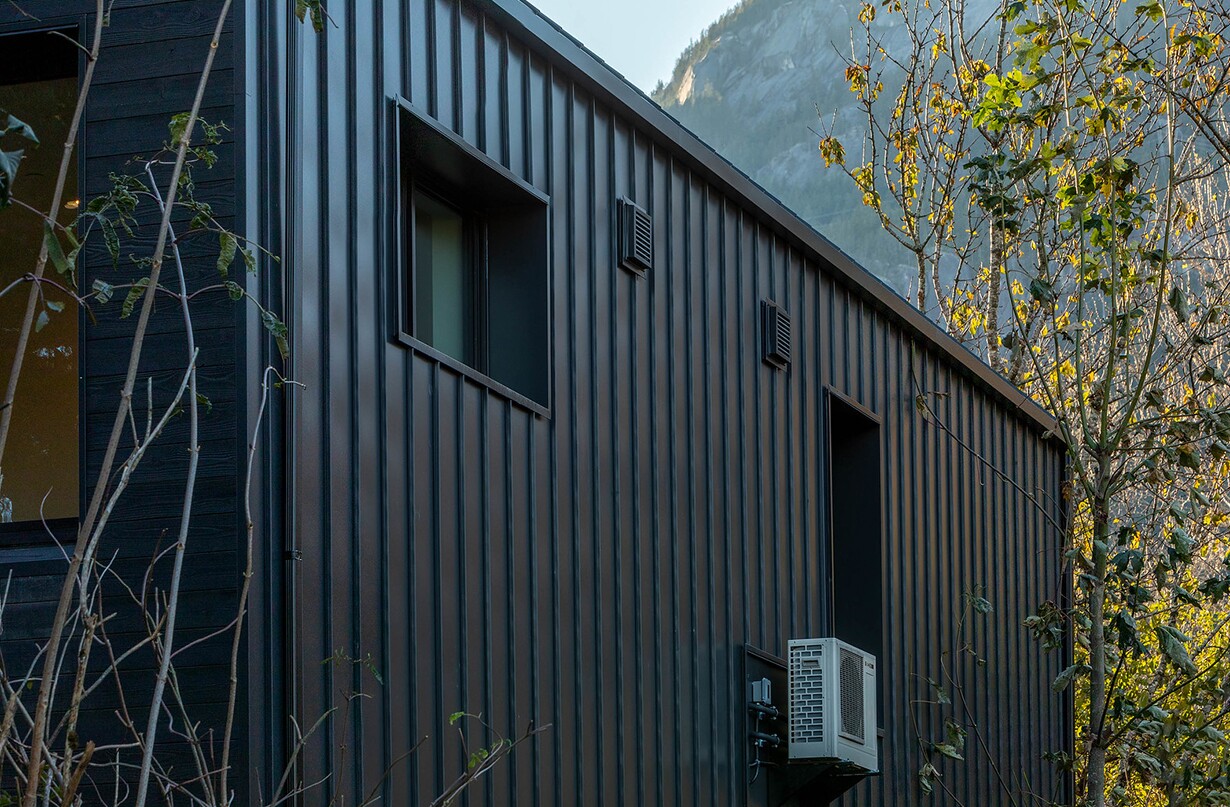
[474,272]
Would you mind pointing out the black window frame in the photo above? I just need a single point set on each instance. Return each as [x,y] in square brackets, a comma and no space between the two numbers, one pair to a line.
[487,193]
[38,540]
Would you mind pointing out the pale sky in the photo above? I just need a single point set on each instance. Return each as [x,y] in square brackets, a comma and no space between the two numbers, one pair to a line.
[639,38]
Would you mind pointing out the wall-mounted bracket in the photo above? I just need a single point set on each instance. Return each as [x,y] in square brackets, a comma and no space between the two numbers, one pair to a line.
[760,706]
[772,780]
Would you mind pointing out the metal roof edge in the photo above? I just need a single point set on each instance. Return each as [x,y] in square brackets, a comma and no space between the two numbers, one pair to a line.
[603,80]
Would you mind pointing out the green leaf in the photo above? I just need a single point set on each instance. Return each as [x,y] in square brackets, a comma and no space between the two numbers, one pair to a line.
[42,321]
[226,254]
[205,402]
[103,291]
[454,717]
[1213,733]
[1182,544]
[14,126]
[71,257]
[234,290]
[178,126]
[1042,290]
[1146,762]
[9,160]
[1186,596]
[134,294]
[1212,375]
[277,328]
[1172,645]
[974,599]
[477,758]
[313,8]
[1178,301]
[54,251]
[1152,10]
[1065,678]
[111,239]
[955,734]
[55,305]
[941,695]
[948,750]
[1129,636]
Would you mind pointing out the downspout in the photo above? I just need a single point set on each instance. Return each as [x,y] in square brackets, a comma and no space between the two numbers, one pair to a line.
[288,165]
[269,58]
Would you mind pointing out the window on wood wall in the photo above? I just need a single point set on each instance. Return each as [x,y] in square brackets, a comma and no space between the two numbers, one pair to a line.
[38,85]
[474,270]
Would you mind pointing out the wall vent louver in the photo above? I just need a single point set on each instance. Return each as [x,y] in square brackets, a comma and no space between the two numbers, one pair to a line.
[635,238]
[775,334]
[832,710]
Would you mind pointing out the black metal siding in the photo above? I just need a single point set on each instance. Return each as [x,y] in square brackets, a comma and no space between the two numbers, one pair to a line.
[601,568]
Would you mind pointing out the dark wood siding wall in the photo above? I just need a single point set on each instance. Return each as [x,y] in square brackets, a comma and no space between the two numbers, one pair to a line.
[600,569]
[148,70]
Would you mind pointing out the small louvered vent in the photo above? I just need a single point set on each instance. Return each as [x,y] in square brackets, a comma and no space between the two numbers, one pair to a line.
[775,334]
[807,693]
[635,238]
[850,681]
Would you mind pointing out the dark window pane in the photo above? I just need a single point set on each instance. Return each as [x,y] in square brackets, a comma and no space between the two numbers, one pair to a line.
[475,280]
[40,461]
[443,279]
[856,531]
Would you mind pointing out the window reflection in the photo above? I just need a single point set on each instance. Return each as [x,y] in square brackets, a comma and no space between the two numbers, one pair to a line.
[41,459]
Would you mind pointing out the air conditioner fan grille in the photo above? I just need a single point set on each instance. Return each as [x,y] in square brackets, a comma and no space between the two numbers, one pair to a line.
[850,675]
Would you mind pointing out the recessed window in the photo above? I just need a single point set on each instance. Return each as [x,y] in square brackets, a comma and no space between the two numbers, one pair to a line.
[855,556]
[38,85]
[474,269]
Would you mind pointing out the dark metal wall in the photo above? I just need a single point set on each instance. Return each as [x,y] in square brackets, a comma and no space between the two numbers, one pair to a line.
[602,567]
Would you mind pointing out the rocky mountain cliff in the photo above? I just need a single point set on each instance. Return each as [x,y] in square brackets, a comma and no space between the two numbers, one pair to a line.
[755,85]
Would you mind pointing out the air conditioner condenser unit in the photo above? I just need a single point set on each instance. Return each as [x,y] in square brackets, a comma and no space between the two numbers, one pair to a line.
[832,714]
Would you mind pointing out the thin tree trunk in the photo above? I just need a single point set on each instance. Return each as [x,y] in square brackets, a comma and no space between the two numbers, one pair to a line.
[23,338]
[245,588]
[993,294]
[1096,778]
[87,525]
[922,281]
[194,455]
[943,306]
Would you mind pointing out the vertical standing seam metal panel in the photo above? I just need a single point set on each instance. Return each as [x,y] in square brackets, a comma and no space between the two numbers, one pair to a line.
[601,568]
